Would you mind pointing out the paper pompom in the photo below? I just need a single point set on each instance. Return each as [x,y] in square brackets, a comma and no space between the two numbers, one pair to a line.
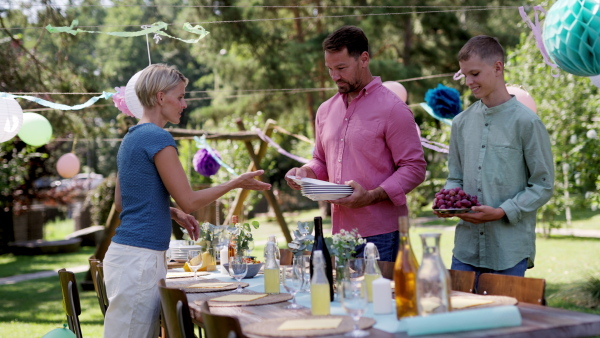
[119,101]
[444,101]
[205,164]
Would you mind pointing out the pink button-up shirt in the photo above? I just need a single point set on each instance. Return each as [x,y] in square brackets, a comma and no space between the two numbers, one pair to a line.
[373,141]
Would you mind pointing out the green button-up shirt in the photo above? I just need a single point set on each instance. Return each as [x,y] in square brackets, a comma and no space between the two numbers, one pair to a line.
[503,155]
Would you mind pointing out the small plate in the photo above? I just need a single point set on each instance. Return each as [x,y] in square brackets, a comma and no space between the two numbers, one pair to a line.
[452,211]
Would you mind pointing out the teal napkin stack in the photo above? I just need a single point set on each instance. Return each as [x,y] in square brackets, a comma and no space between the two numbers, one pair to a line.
[464,320]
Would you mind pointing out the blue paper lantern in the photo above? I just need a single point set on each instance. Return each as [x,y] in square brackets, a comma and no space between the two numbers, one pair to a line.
[572,36]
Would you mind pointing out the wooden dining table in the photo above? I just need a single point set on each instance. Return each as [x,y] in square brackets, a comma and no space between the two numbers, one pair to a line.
[537,321]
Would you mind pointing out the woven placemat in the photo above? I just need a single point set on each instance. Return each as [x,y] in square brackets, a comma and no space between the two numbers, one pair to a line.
[268,328]
[183,284]
[268,299]
[183,274]
[495,301]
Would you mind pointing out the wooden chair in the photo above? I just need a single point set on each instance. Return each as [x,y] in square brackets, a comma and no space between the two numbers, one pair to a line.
[175,312]
[285,256]
[71,302]
[387,269]
[527,290]
[463,280]
[97,272]
[218,326]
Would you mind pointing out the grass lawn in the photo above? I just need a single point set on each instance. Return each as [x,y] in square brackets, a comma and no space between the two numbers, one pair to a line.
[32,308]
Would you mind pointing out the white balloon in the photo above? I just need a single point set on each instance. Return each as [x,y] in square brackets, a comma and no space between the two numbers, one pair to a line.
[11,118]
[133,102]
[596,80]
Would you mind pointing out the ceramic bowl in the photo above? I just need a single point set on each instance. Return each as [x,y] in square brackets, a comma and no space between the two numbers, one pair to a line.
[253,269]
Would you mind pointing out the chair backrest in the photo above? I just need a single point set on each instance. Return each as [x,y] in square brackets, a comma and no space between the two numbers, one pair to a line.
[387,269]
[218,326]
[175,312]
[462,280]
[71,302]
[98,278]
[527,290]
[285,256]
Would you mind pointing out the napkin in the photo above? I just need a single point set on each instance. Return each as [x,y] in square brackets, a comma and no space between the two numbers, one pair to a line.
[209,285]
[310,324]
[467,320]
[239,298]
[180,274]
[461,302]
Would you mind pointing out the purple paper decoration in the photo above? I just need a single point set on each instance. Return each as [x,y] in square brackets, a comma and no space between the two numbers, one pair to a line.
[205,164]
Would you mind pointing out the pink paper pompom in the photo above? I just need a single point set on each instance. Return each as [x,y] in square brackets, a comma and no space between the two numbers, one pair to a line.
[119,100]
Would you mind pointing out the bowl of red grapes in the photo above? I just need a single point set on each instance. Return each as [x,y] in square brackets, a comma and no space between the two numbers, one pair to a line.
[454,201]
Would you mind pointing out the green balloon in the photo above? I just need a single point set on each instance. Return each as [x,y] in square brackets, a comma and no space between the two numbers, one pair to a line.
[60,333]
[36,130]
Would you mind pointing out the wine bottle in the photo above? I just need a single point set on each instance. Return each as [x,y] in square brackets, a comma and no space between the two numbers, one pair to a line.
[319,244]
[405,274]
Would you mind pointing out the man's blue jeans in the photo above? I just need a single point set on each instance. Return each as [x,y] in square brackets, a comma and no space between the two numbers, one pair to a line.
[517,270]
[387,245]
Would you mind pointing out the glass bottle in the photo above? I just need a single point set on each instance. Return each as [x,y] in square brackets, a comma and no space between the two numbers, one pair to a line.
[405,274]
[433,279]
[320,285]
[233,241]
[273,239]
[319,244]
[271,271]
[372,271]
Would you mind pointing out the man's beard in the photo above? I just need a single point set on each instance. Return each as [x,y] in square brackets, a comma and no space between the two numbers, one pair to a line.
[348,88]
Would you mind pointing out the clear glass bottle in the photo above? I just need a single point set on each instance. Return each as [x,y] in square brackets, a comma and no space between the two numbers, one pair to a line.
[273,239]
[433,279]
[372,271]
[319,244]
[271,270]
[405,274]
[320,287]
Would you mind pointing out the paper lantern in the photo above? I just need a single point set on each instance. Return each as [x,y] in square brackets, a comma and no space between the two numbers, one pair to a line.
[397,88]
[133,103]
[36,130]
[68,165]
[595,80]
[523,97]
[11,118]
[572,36]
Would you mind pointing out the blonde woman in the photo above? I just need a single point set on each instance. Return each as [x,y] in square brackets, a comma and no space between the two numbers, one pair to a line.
[149,175]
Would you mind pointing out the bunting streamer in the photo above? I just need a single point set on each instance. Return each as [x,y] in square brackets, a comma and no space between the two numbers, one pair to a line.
[439,147]
[280,150]
[155,28]
[201,143]
[60,106]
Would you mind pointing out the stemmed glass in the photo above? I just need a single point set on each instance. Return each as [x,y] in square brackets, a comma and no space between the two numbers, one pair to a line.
[354,302]
[293,279]
[195,261]
[238,269]
[356,266]
[306,266]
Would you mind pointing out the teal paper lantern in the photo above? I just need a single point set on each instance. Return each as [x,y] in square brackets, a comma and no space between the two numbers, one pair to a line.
[36,130]
[572,36]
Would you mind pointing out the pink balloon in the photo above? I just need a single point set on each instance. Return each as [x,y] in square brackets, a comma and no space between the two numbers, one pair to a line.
[523,97]
[68,165]
[397,88]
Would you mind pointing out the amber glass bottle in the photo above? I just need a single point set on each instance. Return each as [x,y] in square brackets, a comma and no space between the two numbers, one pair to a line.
[232,241]
[405,274]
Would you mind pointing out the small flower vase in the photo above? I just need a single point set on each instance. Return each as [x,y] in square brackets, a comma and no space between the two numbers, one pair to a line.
[342,273]
[210,255]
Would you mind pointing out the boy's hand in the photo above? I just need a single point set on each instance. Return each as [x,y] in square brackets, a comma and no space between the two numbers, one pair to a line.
[482,214]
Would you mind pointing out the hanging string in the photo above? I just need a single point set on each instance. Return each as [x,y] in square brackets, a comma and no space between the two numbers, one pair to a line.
[148,44]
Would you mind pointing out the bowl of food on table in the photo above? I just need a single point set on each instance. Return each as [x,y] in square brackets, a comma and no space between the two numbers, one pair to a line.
[254,266]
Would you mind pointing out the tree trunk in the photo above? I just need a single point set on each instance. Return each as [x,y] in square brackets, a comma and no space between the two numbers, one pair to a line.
[7,234]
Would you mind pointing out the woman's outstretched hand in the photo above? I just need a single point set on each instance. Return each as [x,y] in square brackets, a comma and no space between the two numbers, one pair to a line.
[248,181]
[187,221]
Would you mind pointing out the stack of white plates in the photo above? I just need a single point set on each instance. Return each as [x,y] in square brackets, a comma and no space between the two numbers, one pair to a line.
[318,190]
[179,252]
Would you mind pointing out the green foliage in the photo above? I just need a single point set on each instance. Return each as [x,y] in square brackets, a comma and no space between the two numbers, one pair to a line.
[101,199]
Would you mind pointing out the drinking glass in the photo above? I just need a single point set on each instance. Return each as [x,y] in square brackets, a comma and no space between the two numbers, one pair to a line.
[354,302]
[196,257]
[306,266]
[168,256]
[356,267]
[293,279]
[238,269]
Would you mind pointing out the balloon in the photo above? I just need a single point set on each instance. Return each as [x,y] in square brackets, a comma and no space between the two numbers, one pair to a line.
[68,165]
[36,130]
[11,118]
[523,97]
[571,36]
[397,88]
[60,333]
[133,102]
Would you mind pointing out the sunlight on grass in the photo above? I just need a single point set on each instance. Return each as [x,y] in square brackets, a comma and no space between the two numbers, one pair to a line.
[59,229]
